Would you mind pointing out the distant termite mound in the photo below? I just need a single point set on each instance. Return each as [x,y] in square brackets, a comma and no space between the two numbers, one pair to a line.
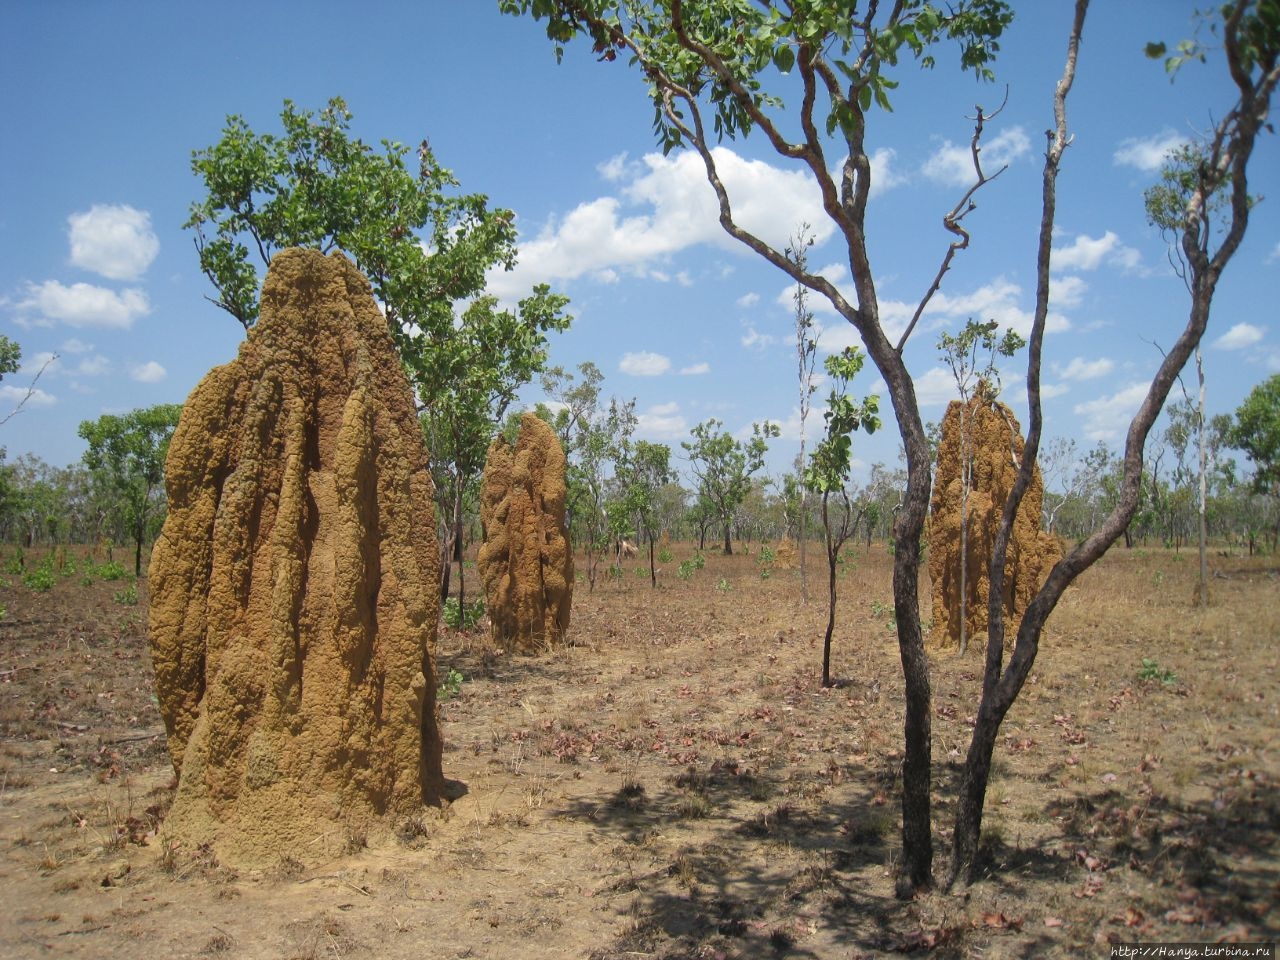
[526,561]
[295,585]
[993,438]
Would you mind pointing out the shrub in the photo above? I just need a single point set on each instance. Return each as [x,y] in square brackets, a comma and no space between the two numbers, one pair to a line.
[467,619]
[110,570]
[450,686]
[42,578]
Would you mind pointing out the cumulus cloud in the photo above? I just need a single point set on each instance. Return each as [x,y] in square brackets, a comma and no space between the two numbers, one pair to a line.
[1066,291]
[116,242]
[1081,369]
[936,386]
[93,366]
[45,362]
[1087,253]
[1106,418]
[753,339]
[1240,336]
[149,372]
[663,421]
[84,305]
[644,364]
[748,300]
[664,205]
[1147,153]
[952,164]
[695,369]
[12,395]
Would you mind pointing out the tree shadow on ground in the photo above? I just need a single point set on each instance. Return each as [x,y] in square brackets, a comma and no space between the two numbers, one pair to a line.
[741,871]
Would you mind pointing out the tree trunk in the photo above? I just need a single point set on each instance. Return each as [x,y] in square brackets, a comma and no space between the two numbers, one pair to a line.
[653,570]
[457,551]
[831,596]
[728,547]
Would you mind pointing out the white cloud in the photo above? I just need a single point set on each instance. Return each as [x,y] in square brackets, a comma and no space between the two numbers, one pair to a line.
[12,395]
[1274,255]
[748,300]
[936,386]
[1107,418]
[615,168]
[116,242]
[997,300]
[1066,291]
[662,422]
[664,206]
[93,366]
[1147,153]
[644,364]
[1050,390]
[884,174]
[753,339]
[75,346]
[45,361]
[1240,336]
[695,369]
[952,165]
[1081,369]
[1086,253]
[84,305]
[149,372]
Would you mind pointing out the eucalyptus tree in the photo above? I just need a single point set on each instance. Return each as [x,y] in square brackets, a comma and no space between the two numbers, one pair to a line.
[643,470]
[425,248]
[594,437]
[126,456]
[828,472]
[1256,432]
[723,466]
[715,68]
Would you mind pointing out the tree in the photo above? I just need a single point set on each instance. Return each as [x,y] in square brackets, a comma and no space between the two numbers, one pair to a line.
[706,68]
[423,248]
[467,379]
[1251,45]
[1256,432]
[126,457]
[723,467]
[642,472]
[828,471]
[961,354]
[592,437]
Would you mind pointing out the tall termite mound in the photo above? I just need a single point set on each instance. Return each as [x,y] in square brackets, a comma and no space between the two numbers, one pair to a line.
[526,560]
[993,437]
[295,585]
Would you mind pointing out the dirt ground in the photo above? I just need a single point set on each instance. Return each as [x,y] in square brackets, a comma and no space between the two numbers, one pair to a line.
[677,784]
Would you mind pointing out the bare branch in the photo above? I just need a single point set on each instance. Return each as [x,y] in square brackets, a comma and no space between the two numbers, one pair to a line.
[31,390]
[951,222]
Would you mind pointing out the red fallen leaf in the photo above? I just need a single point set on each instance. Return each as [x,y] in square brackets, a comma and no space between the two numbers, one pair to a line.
[1053,921]
[1133,917]
[1092,887]
[1023,745]
[1090,862]
[1183,915]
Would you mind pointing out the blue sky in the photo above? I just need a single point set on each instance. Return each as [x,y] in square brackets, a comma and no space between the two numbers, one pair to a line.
[104,103]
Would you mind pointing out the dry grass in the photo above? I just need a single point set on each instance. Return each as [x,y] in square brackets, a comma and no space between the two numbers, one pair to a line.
[677,784]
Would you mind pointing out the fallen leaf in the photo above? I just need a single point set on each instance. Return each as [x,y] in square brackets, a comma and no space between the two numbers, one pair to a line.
[1053,921]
